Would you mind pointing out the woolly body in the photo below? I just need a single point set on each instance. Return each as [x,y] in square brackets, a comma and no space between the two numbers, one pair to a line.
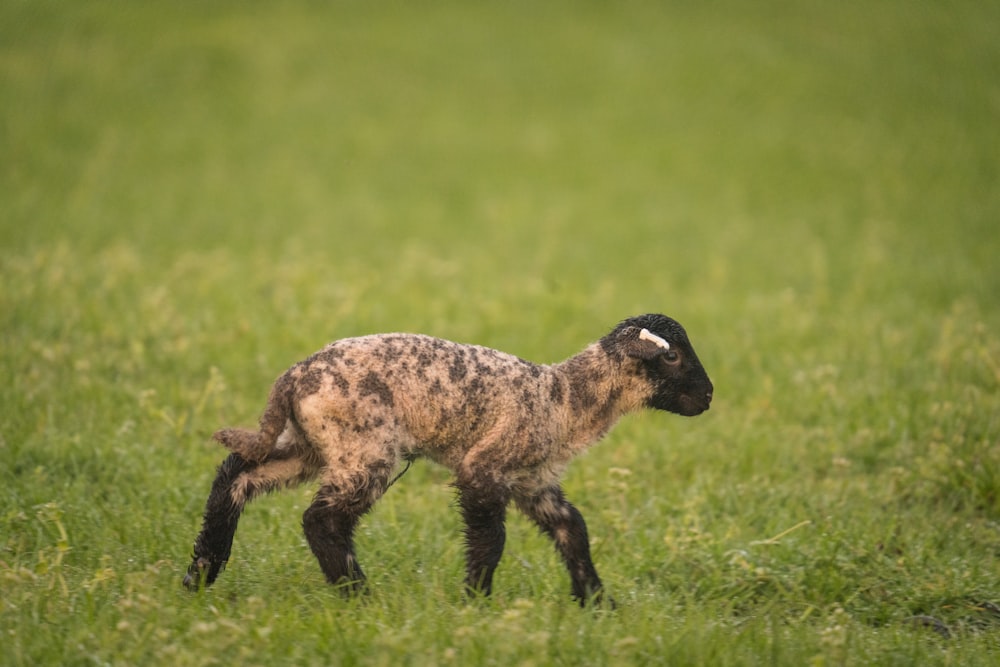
[506,427]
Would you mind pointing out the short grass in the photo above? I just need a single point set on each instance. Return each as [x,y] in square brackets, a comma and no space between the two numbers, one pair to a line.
[193,196]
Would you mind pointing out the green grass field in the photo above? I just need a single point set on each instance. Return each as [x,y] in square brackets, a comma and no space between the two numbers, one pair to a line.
[193,196]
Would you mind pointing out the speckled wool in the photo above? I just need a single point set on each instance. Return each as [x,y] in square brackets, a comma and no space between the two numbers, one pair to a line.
[506,427]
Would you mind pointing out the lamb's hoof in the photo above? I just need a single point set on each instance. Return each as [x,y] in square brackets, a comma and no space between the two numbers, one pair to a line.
[598,600]
[198,576]
[350,589]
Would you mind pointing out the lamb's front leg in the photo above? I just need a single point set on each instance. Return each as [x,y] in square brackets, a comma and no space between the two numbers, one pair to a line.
[562,522]
[484,510]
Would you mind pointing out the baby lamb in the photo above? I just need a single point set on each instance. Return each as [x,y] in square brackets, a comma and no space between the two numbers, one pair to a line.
[507,428]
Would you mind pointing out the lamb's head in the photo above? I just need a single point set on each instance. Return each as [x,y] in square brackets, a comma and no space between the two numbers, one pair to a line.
[658,348]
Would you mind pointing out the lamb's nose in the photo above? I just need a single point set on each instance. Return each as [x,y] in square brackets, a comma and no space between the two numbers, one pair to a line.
[708,396]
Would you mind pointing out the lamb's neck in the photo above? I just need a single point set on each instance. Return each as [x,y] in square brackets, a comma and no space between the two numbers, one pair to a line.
[596,397]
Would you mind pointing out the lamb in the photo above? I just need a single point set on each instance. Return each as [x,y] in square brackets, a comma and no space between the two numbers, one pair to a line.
[506,428]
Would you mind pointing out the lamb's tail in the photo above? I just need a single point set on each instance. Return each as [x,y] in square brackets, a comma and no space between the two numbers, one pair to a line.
[254,446]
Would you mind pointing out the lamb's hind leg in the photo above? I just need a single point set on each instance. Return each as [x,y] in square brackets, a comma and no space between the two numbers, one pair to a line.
[222,514]
[237,482]
[330,521]
[562,522]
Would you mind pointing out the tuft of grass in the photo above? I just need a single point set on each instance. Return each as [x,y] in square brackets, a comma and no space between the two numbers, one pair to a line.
[194,198]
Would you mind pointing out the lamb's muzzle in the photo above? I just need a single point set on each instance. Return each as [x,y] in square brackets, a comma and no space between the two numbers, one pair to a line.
[506,427]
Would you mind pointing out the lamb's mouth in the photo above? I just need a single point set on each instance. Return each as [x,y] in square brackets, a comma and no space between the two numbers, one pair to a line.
[691,406]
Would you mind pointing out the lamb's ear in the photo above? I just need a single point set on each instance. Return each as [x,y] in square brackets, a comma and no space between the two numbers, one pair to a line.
[644,344]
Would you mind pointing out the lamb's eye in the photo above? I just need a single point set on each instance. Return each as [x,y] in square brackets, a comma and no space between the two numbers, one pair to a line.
[671,356]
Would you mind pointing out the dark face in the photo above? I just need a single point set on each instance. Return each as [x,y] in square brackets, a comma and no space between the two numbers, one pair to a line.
[680,384]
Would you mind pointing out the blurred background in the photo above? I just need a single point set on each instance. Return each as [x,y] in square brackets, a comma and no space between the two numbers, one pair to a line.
[623,156]
[518,175]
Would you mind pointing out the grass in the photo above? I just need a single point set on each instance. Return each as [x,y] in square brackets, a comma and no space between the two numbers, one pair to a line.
[195,197]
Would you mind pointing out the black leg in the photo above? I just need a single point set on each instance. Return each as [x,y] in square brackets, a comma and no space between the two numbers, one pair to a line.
[484,512]
[222,514]
[562,522]
[329,525]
